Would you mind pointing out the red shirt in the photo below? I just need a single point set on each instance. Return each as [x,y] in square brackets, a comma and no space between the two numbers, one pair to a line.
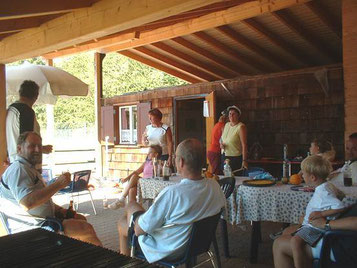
[216,135]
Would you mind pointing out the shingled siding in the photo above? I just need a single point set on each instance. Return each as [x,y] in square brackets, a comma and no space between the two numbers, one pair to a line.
[289,107]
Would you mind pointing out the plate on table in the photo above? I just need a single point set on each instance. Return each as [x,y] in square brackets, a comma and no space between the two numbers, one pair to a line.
[301,188]
[258,183]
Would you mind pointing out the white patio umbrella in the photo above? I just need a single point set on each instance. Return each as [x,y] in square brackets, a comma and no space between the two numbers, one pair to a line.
[52,81]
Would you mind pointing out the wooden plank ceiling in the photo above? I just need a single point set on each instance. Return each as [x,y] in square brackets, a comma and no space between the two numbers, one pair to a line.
[222,40]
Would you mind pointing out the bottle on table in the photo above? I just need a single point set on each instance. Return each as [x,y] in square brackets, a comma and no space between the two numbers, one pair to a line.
[166,171]
[227,170]
[347,175]
[70,211]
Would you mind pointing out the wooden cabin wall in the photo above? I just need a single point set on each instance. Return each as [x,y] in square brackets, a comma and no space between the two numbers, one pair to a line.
[289,108]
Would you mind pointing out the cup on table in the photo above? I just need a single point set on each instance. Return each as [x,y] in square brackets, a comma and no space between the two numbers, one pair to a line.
[347,181]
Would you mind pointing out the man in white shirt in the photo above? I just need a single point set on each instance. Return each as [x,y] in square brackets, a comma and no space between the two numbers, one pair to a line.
[179,205]
[351,153]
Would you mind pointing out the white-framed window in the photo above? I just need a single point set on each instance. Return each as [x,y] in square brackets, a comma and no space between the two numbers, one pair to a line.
[128,121]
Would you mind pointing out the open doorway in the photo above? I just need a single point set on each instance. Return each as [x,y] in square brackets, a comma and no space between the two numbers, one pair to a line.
[189,120]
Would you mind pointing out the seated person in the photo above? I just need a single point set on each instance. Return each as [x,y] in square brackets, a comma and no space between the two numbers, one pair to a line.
[323,148]
[325,202]
[24,193]
[193,199]
[146,168]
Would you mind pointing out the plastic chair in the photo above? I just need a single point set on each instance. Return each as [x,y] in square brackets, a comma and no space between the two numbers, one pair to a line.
[202,235]
[79,185]
[47,175]
[227,186]
[343,244]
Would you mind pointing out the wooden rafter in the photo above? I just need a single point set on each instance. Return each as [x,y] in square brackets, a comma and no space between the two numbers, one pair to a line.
[171,62]
[287,20]
[243,41]
[103,18]
[229,66]
[229,51]
[276,40]
[328,19]
[159,66]
[22,9]
[218,73]
[212,20]
[3,35]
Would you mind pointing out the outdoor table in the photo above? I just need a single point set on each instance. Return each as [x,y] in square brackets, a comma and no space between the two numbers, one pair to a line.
[41,248]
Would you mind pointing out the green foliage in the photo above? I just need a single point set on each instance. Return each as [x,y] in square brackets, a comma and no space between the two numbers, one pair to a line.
[120,75]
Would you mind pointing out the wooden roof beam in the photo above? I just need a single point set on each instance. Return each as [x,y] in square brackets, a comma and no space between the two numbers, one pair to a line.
[15,25]
[243,41]
[102,18]
[231,52]
[229,66]
[22,9]
[326,17]
[159,66]
[171,62]
[275,39]
[213,70]
[287,20]
[212,20]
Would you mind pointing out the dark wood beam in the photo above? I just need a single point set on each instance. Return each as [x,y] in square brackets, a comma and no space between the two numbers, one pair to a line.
[21,9]
[243,41]
[232,67]
[183,67]
[276,40]
[3,35]
[286,19]
[213,70]
[15,25]
[250,63]
[326,17]
[161,67]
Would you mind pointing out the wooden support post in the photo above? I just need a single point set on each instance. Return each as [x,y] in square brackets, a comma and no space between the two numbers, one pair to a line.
[98,69]
[3,148]
[349,38]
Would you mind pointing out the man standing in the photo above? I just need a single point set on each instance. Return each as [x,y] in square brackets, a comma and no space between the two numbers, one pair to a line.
[193,199]
[351,153]
[24,193]
[21,117]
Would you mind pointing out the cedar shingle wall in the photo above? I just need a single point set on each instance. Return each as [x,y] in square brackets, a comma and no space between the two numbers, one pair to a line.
[282,108]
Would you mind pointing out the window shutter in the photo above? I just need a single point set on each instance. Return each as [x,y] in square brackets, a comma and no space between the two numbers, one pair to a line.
[107,123]
[143,118]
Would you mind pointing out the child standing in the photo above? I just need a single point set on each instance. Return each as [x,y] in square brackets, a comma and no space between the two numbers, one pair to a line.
[146,168]
[325,202]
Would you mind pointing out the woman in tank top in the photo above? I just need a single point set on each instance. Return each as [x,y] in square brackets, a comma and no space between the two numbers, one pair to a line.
[234,140]
[160,134]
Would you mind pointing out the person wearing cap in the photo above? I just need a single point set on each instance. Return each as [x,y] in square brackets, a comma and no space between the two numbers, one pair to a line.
[234,140]
[214,151]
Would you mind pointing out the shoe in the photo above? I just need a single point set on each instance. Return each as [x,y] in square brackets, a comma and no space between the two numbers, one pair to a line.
[117,204]
[275,235]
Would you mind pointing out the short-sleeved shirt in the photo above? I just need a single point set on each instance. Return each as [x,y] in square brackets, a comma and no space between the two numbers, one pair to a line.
[157,136]
[216,136]
[180,205]
[20,118]
[148,168]
[231,139]
[22,179]
[322,199]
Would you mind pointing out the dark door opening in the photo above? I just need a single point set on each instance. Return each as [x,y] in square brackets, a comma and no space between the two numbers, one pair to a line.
[190,122]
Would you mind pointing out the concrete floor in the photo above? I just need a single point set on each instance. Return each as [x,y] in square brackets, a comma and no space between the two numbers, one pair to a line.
[105,224]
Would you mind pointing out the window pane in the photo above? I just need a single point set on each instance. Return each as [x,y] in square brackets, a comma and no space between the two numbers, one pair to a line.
[125,124]
[135,117]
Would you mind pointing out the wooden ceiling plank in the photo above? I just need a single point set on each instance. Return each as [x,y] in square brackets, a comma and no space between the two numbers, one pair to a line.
[212,20]
[275,39]
[158,66]
[287,20]
[229,66]
[23,9]
[243,41]
[229,51]
[326,17]
[183,67]
[213,70]
[102,18]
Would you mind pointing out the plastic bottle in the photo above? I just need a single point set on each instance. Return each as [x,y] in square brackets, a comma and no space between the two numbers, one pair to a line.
[227,170]
[166,171]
